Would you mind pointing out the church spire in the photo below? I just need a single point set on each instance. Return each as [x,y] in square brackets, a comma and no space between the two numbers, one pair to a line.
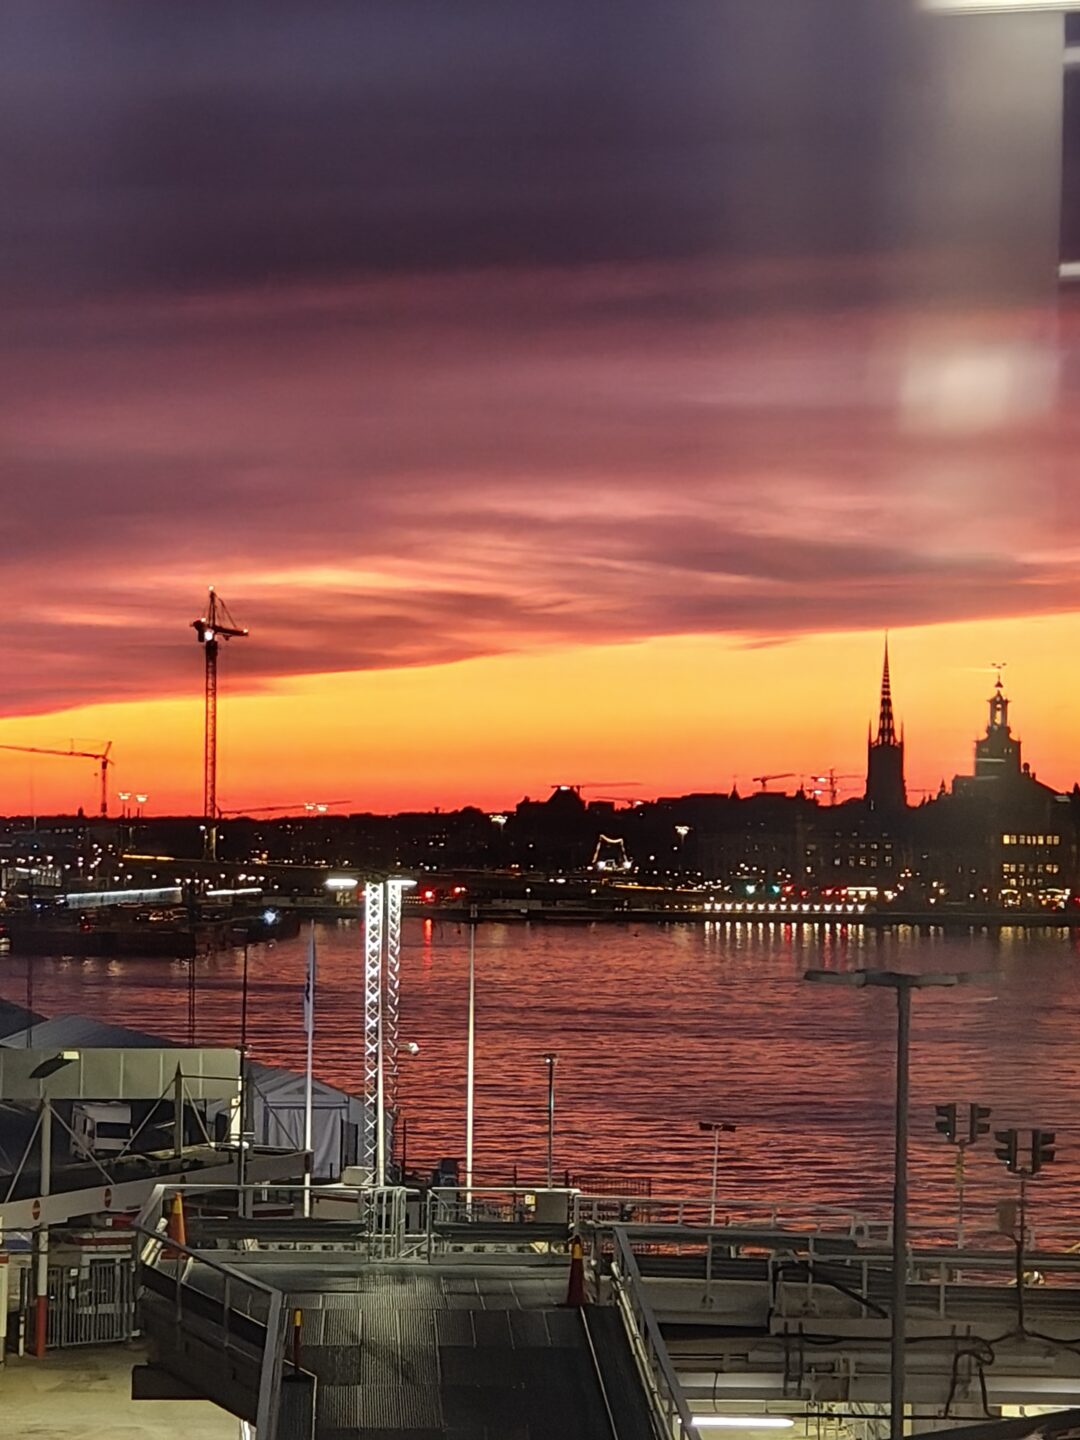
[885,789]
[886,734]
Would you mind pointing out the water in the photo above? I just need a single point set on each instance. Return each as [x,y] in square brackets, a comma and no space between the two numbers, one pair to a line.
[657,1028]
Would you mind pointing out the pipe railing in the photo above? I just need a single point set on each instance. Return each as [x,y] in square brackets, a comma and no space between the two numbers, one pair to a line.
[589,1209]
[671,1414]
[379,1211]
[271,1361]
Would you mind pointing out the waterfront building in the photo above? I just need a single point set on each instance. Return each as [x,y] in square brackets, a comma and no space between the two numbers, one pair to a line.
[1001,834]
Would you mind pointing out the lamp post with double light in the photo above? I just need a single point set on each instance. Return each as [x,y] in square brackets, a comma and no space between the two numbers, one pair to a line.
[902,984]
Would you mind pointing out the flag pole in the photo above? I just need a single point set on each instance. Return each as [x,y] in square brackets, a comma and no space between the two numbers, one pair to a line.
[309,1025]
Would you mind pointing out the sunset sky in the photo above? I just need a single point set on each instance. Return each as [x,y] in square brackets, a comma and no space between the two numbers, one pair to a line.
[531,436]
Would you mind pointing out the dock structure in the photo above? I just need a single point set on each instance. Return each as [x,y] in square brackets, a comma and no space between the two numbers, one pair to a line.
[386,1315]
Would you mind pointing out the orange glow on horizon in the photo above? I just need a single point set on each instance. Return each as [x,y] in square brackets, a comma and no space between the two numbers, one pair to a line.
[675,714]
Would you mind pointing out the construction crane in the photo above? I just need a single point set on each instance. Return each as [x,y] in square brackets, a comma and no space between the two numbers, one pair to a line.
[831,782]
[216,625]
[763,780]
[312,807]
[101,756]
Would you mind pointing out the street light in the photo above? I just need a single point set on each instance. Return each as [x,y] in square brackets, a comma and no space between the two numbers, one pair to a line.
[718,1128]
[903,985]
[551,1060]
[470,1058]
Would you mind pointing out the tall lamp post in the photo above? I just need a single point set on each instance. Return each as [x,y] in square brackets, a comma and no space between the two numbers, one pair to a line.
[551,1060]
[718,1128]
[470,1060]
[903,985]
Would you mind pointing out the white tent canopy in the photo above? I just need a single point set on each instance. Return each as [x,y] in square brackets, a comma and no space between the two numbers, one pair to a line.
[275,1095]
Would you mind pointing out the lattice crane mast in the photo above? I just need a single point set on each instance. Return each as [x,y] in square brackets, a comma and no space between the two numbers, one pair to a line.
[210,629]
[101,756]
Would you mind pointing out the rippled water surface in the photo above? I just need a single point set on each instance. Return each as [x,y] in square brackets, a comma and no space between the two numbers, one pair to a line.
[655,1029]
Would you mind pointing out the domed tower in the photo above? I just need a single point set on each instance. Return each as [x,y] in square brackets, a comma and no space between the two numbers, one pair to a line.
[885,789]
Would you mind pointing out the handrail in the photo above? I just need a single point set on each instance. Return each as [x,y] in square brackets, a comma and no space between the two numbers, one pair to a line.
[273,1356]
[387,1204]
[670,1410]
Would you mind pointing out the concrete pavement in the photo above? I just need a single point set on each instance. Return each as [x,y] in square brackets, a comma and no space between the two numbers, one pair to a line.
[85,1394]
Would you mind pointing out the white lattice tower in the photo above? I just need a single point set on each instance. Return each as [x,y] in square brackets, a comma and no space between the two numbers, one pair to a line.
[392,993]
[374,910]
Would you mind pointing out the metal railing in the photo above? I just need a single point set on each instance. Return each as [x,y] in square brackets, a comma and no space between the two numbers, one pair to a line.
[695,1210]
[671,1414]
[235,1284]
[522,1218]
[379,1214]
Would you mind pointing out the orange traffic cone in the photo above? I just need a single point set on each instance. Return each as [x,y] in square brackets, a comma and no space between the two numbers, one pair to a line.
[575,1289]
[175,1228]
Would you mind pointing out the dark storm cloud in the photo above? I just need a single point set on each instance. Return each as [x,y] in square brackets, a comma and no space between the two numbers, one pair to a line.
[429,331]
[407,473]
[186,146]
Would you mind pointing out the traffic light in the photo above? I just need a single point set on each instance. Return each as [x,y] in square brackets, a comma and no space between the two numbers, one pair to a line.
[1042,1149]
[978,1122]
[1008,1149]
[945,1124]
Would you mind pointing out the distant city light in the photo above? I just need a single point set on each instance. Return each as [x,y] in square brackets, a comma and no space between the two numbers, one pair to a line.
[92,899]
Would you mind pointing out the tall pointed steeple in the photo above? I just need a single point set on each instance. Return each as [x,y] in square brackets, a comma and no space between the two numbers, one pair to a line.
[885,789]
[886,734]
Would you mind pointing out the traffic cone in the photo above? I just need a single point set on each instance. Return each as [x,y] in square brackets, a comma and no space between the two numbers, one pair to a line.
[575,1289]
[175,1228]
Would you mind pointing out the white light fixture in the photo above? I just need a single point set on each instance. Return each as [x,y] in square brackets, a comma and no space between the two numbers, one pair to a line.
[341,882]
[742,1422]
[991,7]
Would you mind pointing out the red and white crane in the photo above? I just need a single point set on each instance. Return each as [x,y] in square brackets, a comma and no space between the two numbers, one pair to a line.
[210,629]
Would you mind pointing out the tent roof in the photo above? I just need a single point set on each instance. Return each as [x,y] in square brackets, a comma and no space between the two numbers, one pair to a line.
[73,1031]
[275,1082]
[16,1017]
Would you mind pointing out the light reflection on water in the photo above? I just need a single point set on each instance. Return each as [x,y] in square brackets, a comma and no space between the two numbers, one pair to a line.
[656,1028]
